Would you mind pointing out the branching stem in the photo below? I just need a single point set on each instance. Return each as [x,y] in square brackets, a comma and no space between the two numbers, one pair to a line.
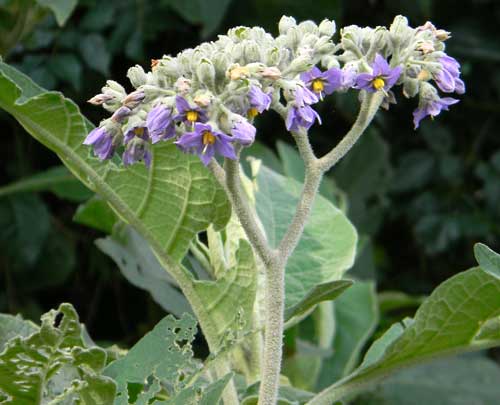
[275,259]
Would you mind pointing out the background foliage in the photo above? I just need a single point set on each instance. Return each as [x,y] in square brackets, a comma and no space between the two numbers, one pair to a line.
[418,199]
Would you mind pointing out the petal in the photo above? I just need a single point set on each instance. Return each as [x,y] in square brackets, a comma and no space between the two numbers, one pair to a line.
[182,104]
[392,77]
[380,66]
[459,86]
[190,140]
[225,148]
[364,82]
[418,115]
[94,136]
[208,155]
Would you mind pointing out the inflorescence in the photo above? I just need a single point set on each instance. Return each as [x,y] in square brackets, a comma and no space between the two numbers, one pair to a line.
[207,98]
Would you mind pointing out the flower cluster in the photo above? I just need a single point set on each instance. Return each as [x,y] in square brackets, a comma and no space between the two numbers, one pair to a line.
[205,100]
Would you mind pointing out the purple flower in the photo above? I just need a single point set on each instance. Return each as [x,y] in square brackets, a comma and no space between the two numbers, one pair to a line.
[322,82]
[120,114]
[136,150]
[432,107]
[448,78]
[243,132]
[301,117]
[205,142]
[188,114]
[259,101]
[102,141]
[160,124]
[303,96]
[383,77]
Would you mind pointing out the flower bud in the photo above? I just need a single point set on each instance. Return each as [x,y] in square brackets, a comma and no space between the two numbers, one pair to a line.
[329,61]
[137,76]
[272,57]
[272,73]
[285,24]
[308,27]
[182,85]
[237,72]
[411,87]
[424,75]
[251,51]
[327,28]
[425,47]
[120,114]
[324,46]
[100,99]
[134,99]
[206,72]
[203,99]
[300,64]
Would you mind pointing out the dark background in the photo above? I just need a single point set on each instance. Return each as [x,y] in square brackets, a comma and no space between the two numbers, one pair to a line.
[431,194]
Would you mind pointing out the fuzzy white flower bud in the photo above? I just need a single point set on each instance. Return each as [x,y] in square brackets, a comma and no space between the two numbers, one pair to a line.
[327,28]
[137,76]
[285,24]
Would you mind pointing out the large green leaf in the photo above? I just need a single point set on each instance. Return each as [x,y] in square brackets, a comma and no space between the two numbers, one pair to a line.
[487,259]
[229,300]
[165,357]
[327,247]
[455,381]
[356,316]
[56,179]
[62,367]
[169,204]
[452,320]
[140,266]
[62,9]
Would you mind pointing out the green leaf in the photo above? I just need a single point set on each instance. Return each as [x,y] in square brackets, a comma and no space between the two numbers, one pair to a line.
[62,368]
[62,9]
[68,68]
[328,245]
[12,326]
[487,259]
[96,213]
[209,14]
[56,179]
[229,300]
[95,53]
[356,316]
[168,204]
[140,266]
[395,300]
[24,226]
[321,292]
[450,321]
[455,381]
[164,355]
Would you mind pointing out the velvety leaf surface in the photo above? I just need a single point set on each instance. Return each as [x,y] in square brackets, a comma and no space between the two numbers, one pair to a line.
[62,367]
[174,200]
[140,266]
[356,316]
[454,381]
[163,356]
[328,245]
[451,320]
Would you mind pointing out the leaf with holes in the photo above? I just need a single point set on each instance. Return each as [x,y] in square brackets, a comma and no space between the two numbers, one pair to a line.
[168,204]
[163,360]
[62,367]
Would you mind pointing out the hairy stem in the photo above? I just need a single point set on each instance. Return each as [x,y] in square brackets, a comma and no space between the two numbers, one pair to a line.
[368,109]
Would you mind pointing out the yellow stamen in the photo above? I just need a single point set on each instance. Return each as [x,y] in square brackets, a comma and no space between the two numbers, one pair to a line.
[252,112]
[139,131]
[192,116]
[208,138]
[318,86]
[378,83]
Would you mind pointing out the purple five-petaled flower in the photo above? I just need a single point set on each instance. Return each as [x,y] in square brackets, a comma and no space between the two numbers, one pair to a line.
[188,114]
[303,96]
[205,142]
[243,132]
[432,107]
[383,77]
[298,117]
[137,146]
[259,101]
[160,123]
[448,78]
[322,82]
[102,141]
